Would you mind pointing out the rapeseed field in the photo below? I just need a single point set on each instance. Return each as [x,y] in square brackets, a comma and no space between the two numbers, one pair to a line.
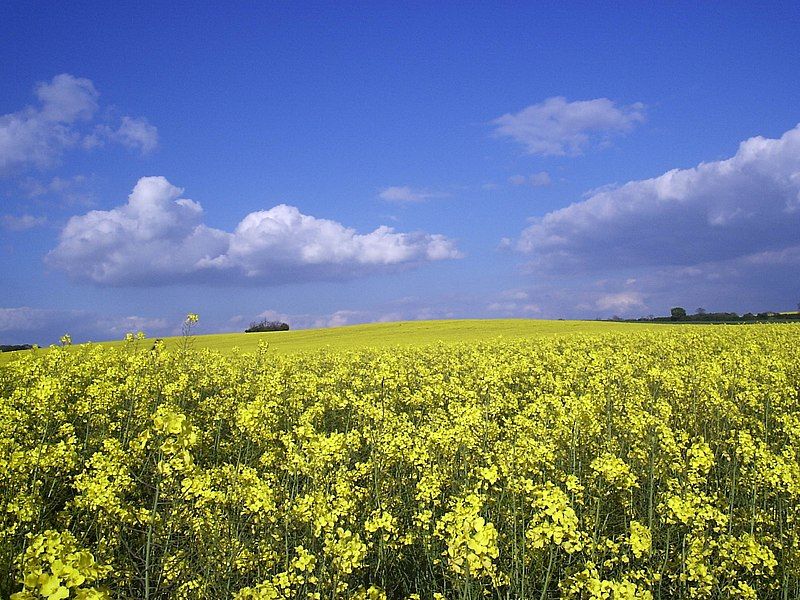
[657,464]
[388,335]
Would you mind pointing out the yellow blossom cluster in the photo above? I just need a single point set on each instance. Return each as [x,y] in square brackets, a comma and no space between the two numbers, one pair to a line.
[647,465]
[55,568]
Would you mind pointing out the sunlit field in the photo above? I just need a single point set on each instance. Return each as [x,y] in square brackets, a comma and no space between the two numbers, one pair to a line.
[406,333]
[626,463]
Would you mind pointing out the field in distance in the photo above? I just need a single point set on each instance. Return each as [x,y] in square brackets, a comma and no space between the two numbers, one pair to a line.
[402,333]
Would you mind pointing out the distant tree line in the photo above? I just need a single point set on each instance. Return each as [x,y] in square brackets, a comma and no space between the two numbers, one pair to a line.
[678,314]
[14,347]
[265,325]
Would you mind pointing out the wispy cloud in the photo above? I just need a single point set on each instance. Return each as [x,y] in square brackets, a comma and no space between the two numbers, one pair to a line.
[557,127]
[21,222]
[65,191]
[408,195]
[37,136]
[540,179]
[134,133]
[620,302]
[159,238]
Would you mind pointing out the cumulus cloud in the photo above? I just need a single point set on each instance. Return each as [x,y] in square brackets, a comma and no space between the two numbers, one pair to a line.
[557,127]
[159,238]
[67,99]
[407,195]
[154,236]
[717,211]
[723,235]
[38,135]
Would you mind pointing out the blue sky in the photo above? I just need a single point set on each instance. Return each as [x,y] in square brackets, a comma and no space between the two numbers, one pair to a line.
[337,163]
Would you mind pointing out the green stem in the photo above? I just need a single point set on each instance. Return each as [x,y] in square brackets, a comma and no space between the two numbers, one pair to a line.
[547,576]
[149,543]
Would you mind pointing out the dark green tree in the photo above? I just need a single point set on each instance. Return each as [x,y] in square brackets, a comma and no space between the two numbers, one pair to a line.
[677,313]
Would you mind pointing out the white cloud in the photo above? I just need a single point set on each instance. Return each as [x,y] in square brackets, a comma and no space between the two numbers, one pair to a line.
[511,309]
[557,127]
[411,311]
[723,235]
[158,238]
[607,187]
[336,318]
[717,211]
[407,195]
[154,235]
[138,134]
[67,99]
[135,133]
[341,318]
[38,136]
[621,302]
[118,326]
[21,222]
[540,179]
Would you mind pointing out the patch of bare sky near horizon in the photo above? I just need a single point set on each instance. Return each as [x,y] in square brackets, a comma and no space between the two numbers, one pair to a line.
[44,326]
